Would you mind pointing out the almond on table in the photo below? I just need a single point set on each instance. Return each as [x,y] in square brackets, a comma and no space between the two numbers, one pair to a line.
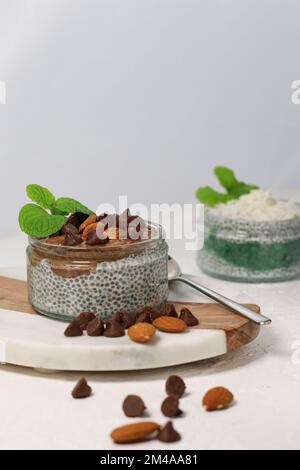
[135,432]
[217,398]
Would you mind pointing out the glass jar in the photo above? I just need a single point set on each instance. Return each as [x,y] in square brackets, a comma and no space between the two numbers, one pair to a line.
[250,251]
[64,281]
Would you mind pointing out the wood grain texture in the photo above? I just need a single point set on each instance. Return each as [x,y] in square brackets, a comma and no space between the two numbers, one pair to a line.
[239,330]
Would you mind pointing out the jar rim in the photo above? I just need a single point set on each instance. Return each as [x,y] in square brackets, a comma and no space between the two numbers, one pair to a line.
[157,230]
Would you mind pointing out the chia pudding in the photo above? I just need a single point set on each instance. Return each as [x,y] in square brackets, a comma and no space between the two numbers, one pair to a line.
[65,279]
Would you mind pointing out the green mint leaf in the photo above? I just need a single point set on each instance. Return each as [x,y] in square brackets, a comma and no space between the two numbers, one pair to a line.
[67,205]
[42,196]
[226,177]
[37,223]
[242,188]
[210,197]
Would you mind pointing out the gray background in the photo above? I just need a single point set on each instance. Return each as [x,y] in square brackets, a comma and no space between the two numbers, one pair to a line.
[145,97]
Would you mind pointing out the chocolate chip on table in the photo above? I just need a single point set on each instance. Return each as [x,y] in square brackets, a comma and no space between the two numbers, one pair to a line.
[93,239]
[133,406]
[188,318]
[81,389]
[154,315]
[124,318]
[169,310]
[72,239]
[114,329]
[73,329]
[170,406]
[168,433]
[175,386]
[84,318]
[95,327]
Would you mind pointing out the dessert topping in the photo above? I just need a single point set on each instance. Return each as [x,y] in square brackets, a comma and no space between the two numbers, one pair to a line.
[124,318]
[95,327]
[168,433]
[188,318]
[84,318]
[114,329]
[169,310]
[170,406]
[73,329]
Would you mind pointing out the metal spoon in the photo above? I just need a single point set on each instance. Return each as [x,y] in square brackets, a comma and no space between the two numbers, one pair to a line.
[174,274]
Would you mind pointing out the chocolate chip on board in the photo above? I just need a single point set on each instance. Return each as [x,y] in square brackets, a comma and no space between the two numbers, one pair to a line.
[81,389]
[95,327]
[84,318]
[188,318]
[93,239]
[143,315]
[170,406]
[169,310]
[175,386]
[133,406]
[124,317]
[73,329]
[114,329]
[168,433]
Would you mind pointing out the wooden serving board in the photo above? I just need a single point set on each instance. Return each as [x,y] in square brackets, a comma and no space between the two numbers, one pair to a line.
[220,330]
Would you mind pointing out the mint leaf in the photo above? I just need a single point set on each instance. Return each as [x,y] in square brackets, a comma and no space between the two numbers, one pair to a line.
[67,205]
[37,223]
[226,177]
[42,196]
[210,197]
[242,188]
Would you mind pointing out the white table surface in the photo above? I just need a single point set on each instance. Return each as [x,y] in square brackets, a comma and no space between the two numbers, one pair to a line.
[38,412]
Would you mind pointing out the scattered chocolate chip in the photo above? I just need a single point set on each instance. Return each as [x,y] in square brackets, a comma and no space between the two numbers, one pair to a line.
[72,239]
[95,327]
[187,316]
[170,406]
[77,219]
[169,310]
[81,389]
[124,318]
[93,239]
[133,406]
[73,329]
[143,315]
[84,318]
[168,433]
[154,315]
[175,386]
[114,329]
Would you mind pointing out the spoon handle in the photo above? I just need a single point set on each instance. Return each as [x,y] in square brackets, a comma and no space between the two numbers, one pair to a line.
[246,312]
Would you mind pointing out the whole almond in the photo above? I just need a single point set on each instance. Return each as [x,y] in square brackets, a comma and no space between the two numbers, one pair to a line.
[88,229]
[170,324]
[217,398]
[141,332]
[134,432]
[90,220]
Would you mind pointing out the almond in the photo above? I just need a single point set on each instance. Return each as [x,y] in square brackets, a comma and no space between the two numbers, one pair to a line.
[88,228]
[141,332]
[217,398]
[134,432]
[170,324]
[90,220]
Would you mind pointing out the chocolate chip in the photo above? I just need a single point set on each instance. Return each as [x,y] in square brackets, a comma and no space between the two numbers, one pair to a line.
[69,228]
[81,389]
[93,239]
[133,406]
[84,318]
[154,315]
[124,318]
[77,219]
[114,329]
[95,327]
[170,406]
[175,386]
[169,310]
[73,329]
[168,433]
[143,315]
[72,239]
[187,316]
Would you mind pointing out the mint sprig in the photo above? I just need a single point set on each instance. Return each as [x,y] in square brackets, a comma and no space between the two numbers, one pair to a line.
[48,215]
[227,179]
